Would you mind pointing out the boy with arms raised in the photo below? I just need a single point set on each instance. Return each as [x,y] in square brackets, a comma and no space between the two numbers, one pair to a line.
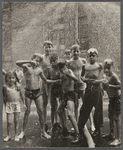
[33,73]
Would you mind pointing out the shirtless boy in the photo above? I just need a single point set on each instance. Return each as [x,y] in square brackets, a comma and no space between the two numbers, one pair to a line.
[44,65]
[55,88]
[112,86]
[93,93]
[76,64]
[33,73]
[68,96]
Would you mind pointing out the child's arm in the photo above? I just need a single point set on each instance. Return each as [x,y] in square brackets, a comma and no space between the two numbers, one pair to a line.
[45,79]
[22,63]
[4,91]
[71,75]
[4,72]
[117,82]
[22,96]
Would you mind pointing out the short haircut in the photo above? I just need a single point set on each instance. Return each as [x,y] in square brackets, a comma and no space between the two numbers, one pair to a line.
[74,47]
[48,43]
[108,63]
[37,55]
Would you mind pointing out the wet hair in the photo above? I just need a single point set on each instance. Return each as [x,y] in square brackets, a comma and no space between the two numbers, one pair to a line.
[11,73]
[37,55]
[61,64]
[92,52]
[108,63]
[48,43]
[75,47]
[53,57]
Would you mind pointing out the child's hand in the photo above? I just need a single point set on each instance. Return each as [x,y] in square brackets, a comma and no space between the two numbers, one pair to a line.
[105,82]
[18,86]
[58,81]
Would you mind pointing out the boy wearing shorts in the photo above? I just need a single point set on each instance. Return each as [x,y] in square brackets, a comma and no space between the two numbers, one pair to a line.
[112,86]
[33,73]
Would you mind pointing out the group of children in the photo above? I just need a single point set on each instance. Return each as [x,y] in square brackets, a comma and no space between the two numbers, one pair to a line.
[73,86]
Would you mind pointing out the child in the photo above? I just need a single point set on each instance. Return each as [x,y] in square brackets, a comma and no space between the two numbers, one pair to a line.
[93,93]
[48,46]
[12,97]
[67,54]
[55,88]
[112,86]
[68,97]
[76,64]
[32,74]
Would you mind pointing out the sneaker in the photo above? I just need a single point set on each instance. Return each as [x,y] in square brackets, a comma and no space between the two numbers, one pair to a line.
[21,135]
[116,142]
[7,139]
[17,138]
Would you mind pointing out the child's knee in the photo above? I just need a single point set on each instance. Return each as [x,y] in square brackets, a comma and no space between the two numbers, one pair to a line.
[40,111]
[27,111]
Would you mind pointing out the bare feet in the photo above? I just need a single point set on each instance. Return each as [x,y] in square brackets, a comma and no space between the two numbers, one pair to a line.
[115,142]
[21,135]
[45,135]
[17,138]
[7,139]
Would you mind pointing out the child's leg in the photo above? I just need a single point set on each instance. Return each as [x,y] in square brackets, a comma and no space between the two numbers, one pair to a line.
[92,122]
[117,120]
[76,106]
[56,109]
[16,121]
[9,122]
[45,101]
[53,107]
[61,112]
[39,105]
[70,107]
[26,115]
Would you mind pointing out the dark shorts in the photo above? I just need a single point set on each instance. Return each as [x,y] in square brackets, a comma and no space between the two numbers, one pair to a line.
[114,105]
[69,96]
[32,94]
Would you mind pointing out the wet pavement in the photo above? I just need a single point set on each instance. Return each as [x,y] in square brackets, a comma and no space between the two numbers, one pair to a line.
[33,139]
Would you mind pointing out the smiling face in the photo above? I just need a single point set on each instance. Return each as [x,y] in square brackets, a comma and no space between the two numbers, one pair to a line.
[48,49]
[10,79]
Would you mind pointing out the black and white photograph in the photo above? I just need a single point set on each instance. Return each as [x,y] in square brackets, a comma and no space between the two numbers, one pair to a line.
[61,74]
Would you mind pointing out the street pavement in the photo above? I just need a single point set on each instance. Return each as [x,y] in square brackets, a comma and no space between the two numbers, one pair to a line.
[34,140]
